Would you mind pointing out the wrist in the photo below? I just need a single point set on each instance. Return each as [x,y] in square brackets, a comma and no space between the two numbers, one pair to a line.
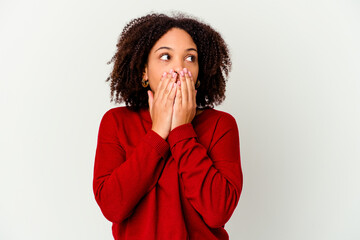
[160,133]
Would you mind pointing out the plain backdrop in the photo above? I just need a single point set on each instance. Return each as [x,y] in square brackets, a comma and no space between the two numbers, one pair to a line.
[294,91]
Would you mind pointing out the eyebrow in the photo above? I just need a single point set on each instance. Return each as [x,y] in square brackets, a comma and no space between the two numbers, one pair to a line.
[189,49]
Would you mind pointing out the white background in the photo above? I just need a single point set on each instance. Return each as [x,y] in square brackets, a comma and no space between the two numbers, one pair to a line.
[294,90]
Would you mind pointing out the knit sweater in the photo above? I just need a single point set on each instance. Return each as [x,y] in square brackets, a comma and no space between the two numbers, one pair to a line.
[184,187]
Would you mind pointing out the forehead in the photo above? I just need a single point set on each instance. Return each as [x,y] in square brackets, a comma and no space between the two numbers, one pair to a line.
[175,38]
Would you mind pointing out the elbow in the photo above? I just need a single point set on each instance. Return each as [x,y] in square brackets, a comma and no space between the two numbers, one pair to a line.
[108,214]
[113,216]
[220,214]
[217,220]
[112,213]
[109,206]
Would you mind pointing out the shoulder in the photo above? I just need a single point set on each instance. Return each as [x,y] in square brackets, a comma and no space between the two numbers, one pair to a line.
[123,110]
[223,127]
[223,118]
[116,115]
[118,112]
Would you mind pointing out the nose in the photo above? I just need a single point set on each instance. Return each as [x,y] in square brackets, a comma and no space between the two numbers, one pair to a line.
[178,69]
[178,64]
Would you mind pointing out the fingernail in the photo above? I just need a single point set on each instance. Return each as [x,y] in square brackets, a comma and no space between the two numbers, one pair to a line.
[164,74]
[189,73]
[182,73]
[174,75]
[171,70]
[185,70]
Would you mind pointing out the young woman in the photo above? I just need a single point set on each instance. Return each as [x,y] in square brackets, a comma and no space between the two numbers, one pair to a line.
[167,165]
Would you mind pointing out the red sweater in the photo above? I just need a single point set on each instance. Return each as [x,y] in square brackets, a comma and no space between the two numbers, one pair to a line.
[185,187]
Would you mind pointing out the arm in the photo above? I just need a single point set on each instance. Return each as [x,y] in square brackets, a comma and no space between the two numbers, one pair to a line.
[212,181]
[121,181]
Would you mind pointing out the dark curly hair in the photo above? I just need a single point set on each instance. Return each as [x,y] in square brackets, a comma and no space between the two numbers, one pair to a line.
[135,43]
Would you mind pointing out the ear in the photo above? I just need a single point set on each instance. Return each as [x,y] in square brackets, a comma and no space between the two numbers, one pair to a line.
[145,73]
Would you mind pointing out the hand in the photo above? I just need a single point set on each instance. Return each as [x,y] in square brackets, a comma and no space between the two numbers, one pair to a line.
[185,100]
[161,105]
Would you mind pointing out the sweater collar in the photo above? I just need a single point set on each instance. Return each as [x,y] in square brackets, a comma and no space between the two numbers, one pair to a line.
[145,114]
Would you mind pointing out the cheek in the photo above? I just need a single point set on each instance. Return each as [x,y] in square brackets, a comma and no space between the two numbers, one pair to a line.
[195,72]
[155,72]
[154,69]
[153,85]
[154,79]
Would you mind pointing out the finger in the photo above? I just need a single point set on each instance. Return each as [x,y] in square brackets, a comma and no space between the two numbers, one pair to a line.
[192,82]
[188,82]
[150,99]
[194,99]
[191,87]
[184,89]
[170,84]
[165,82]
[162,78]
[172,94]
[178,97]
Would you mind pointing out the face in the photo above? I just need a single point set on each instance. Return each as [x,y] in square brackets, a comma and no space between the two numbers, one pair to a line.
[174,50]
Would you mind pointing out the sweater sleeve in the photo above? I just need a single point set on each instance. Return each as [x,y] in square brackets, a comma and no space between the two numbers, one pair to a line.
[120,181]
[212,179]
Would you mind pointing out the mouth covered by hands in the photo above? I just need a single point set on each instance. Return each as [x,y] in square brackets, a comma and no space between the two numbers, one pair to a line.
[174,102]
[185,100]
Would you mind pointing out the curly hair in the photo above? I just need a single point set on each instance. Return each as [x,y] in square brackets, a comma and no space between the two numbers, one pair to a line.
[135,43]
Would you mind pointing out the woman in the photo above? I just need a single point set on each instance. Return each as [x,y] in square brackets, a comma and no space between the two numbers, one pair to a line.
[167,165]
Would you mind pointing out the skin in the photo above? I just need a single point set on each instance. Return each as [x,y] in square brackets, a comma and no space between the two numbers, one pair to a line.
[172,69]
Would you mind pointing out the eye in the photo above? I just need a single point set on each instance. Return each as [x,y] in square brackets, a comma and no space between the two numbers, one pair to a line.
[191,58]
[165,56]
